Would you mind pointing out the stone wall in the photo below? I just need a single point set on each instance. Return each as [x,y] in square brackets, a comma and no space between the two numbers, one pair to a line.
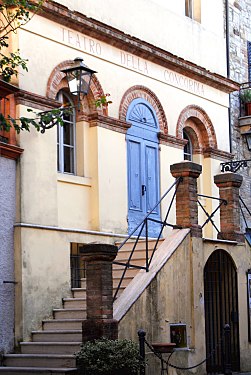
[7,219]
[240,33]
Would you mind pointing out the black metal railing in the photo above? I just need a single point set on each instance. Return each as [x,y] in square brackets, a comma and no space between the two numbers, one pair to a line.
[244,211]
[244,94]
[141,232]
[246,214]
[225,361]
[210,216]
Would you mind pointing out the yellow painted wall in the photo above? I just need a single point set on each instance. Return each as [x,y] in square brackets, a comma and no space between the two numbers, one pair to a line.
[189,39]
[95,199]
[176,295]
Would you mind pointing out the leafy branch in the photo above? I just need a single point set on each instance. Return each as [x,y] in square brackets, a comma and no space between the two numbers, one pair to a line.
[41,122]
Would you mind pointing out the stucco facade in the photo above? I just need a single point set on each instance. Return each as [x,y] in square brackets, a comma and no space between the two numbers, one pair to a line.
[88,200]
[170,71]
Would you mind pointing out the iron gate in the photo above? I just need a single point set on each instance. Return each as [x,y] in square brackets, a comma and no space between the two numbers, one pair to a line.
[221,307]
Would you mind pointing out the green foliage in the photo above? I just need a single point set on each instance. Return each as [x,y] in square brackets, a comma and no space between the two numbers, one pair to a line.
[109,357]
[102,101]
[14,14]
[41,121]
[246,96]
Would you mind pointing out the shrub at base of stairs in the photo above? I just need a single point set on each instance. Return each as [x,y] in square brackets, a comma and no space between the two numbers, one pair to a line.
[109,357]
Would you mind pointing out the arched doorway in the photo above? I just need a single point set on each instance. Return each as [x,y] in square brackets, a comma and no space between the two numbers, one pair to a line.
[221,307]
[142,165]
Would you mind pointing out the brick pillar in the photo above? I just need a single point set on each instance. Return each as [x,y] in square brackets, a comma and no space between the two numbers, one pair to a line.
[99,291]
[229,185]
[186,198]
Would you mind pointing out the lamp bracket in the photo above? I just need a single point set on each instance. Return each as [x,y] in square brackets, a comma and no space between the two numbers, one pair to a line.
[234,166]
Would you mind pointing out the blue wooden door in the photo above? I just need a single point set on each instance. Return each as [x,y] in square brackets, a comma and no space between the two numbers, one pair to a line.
[143,165]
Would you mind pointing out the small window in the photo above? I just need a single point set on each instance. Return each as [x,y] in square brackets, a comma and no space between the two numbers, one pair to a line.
[66,137]
[188,149]
[193,9]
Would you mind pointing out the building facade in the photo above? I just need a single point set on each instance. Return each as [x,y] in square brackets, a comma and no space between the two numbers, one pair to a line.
[96,178]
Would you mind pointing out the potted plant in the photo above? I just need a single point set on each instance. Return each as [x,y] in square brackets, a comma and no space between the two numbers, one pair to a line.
[246,99]
[109,357]
[102,102]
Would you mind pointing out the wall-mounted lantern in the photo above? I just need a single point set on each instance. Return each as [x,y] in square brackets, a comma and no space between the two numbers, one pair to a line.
[79,78]
[247,135]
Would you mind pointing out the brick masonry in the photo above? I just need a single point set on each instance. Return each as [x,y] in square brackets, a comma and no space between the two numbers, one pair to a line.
[229,185]
[186,197]
[145,93]
[99,291]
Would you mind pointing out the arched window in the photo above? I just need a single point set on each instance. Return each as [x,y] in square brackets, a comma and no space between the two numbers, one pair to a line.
[188,149]
[66,142]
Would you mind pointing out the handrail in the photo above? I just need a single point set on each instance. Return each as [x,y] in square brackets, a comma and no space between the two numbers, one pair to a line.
[144,225]
[246,207]
[210,216]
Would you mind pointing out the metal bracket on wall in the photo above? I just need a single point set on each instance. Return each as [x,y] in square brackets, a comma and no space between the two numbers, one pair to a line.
[234,166]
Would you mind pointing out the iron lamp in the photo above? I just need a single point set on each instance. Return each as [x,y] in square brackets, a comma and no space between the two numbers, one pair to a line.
[248,138]
[79,78]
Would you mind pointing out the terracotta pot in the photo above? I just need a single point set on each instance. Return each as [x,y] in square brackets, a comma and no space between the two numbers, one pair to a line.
[248,109]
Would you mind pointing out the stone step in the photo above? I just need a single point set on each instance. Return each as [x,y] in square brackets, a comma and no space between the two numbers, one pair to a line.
[61,336]
[50,347]
[62,324]
[37,371]
[126,281]
[69,313]
[141,245]
[117,272]
[75,303]
[40,360]
[78,292]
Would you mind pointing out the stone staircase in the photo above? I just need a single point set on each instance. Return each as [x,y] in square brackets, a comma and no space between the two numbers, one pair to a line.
[51,350]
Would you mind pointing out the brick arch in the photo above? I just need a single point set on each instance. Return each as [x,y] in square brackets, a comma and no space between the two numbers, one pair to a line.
[57,81]
[136,92]
[196,118]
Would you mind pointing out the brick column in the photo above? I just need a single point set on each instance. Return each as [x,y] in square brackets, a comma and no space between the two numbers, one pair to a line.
[99,291]
[229,185]
[186,198]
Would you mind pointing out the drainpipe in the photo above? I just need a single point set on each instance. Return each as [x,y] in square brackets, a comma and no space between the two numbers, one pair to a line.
[228,74]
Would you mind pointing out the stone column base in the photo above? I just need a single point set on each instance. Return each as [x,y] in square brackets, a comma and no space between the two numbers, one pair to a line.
[231,236]
[96,328]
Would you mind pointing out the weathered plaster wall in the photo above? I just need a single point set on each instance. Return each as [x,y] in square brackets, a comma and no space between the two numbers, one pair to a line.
[7,219]
[176,295]
[164,18]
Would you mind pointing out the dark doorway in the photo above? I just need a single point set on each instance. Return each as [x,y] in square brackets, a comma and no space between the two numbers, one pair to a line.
[221,307]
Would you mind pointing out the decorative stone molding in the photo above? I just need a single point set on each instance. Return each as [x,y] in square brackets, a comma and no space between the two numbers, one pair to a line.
[10,151]
[96,119]
[186,196]
[229,185]
[217,154]
[108,34]
[35,101]
[136,92]
[201,128]
[170,140]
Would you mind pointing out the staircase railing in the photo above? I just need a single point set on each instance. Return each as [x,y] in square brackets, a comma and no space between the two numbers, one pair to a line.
[243,205]
[210,216]
[142,228]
